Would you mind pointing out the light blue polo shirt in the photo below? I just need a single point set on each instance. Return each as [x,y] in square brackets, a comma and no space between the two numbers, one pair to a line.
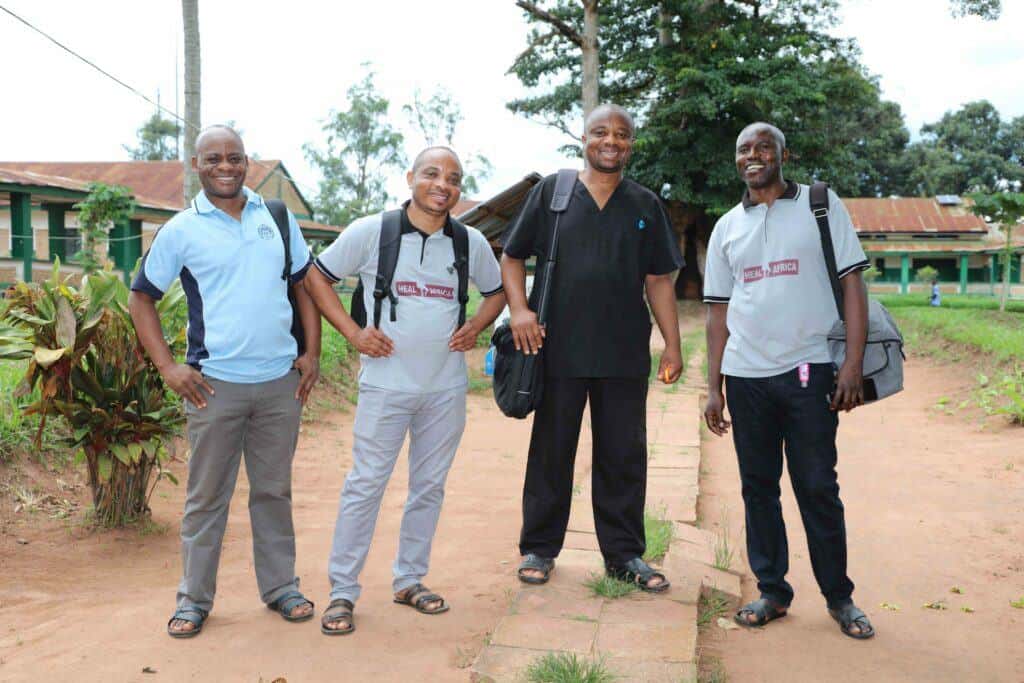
[239,317]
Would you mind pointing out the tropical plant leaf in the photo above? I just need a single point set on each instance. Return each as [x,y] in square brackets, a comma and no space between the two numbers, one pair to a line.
[66,323]
[47,357]
[169,475]
[104,466]
[85,382]
[121,453]
[135,451]
[150,447]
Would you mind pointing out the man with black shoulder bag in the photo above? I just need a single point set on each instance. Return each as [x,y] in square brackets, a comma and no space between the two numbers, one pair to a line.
[787,327]
[602,242]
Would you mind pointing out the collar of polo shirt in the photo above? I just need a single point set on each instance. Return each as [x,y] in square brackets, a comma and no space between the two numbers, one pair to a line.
[202,203]
[792,190]
[408,227]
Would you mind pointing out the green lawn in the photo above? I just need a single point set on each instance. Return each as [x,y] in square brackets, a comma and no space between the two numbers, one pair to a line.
[949,301]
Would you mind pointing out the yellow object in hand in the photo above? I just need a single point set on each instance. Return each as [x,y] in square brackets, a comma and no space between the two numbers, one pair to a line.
[666,376]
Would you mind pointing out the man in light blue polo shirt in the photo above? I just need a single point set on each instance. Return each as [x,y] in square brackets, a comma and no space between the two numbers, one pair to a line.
[243,380]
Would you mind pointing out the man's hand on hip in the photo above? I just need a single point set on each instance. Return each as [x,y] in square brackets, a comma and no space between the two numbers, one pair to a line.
[465,337]
[187,382]
[372,342]
[309,369]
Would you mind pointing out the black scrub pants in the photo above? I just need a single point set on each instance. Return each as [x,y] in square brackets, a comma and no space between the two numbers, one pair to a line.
[767,413]
[618,414]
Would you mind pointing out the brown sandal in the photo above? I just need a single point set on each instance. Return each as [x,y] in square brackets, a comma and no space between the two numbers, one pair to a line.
[338,610]
[418,595]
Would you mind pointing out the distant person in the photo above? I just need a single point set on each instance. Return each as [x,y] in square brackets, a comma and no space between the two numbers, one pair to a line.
[615,244]
[412,378]
[770,308]
[243,379]
[936,298]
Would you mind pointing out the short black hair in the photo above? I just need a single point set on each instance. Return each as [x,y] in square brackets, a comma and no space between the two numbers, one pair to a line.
[613,109]
[418,161]
[218,127]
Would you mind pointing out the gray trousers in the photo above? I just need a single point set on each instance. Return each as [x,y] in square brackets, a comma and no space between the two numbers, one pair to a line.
[262,421]
[435,423]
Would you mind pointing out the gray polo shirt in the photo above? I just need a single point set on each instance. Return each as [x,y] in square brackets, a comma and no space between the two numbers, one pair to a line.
[427,286]
[766,263]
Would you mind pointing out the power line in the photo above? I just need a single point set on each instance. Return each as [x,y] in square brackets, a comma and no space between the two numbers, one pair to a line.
[131,89]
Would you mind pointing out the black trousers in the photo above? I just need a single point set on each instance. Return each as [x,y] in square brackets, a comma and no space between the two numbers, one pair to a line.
[768,413]
[618,412]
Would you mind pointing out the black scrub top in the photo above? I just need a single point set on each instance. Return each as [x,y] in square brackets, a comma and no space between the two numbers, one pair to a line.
[598,321]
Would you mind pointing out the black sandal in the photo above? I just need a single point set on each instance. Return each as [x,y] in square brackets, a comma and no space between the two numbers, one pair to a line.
[418,595]
[289,601]
[764,609]
[192,615]
[851,615]
[639,572]
[339,609]
[537,563]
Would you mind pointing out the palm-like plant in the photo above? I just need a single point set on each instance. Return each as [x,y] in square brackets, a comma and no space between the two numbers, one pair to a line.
[83,353]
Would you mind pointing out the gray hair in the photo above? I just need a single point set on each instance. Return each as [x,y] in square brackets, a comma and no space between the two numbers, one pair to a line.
[780,137]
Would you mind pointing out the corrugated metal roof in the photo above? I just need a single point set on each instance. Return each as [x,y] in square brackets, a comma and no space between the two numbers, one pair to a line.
[493,215]
[911,214]
[154,183]
[37,179]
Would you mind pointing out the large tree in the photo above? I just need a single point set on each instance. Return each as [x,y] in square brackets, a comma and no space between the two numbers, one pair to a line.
[193,122]
[969,150]
[158,140]
[360,146]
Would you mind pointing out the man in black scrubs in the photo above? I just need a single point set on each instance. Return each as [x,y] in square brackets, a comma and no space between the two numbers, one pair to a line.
[614,243]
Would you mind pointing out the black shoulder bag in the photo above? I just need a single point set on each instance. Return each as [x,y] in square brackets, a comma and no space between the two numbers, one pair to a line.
[279,212]
[519,377]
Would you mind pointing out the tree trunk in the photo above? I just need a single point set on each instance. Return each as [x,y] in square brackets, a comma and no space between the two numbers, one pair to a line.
[190,16]
[664,26]
[1007,267]
[590,57]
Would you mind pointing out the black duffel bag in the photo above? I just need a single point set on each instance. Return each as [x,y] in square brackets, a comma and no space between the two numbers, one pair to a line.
[518,376]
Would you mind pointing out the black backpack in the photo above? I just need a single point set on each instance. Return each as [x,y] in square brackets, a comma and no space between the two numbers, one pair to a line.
[279,211]
[387,260]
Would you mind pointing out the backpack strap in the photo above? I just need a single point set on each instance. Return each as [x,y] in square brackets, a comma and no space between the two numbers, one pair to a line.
[564,184]
[460,244]
[819,207]
[387,261]
[279,211]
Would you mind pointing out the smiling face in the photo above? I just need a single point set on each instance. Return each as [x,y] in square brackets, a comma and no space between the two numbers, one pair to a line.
[608,142]
[220,163]
[436,181]
[759,158]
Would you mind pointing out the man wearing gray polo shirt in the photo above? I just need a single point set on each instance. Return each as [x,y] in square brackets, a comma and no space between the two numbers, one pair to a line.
[412,377]
[770,308]
[243,380]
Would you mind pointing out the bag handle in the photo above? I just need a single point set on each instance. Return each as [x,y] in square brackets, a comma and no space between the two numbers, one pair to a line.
[564,184]
[819,207]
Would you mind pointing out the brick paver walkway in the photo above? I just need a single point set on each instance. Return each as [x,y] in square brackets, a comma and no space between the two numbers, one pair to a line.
[640,637]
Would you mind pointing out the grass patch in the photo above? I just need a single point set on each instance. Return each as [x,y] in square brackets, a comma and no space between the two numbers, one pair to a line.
[998,335]
[712,671]
[711,607]
[659,532]
[479,383]
[604,586]
[724,549]
[563,667]
[17,430]
[976,302]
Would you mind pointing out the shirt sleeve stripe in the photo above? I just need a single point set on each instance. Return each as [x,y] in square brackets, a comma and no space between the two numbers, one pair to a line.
[708,299]
[298,275]
[493,292]
[142,284]
[327,273]
[860,265]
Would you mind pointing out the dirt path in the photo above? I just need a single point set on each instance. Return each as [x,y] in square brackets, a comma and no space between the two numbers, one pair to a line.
[932,501]
[84,606]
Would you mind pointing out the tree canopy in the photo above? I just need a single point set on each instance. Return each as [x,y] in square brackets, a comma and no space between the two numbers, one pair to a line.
[696,71]
[360,146]
[158,140]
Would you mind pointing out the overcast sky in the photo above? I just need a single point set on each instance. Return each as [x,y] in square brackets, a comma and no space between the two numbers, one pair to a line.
[279,68]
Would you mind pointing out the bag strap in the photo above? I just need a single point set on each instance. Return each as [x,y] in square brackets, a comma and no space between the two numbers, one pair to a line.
[387,261]
[564,184]
[460,244]
[279,211]
[819,207]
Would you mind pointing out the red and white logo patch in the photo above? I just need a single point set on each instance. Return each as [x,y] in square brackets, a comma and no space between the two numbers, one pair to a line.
[408,288]
[789,266]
